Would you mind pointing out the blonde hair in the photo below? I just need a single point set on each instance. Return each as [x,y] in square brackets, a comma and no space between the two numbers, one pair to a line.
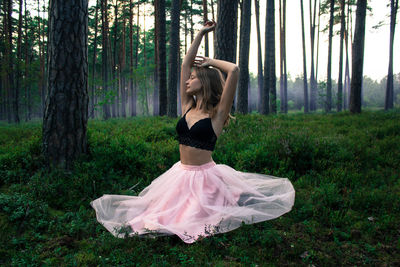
[213,83]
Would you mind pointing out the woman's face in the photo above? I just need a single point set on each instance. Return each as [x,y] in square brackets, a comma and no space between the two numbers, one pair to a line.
[193,84]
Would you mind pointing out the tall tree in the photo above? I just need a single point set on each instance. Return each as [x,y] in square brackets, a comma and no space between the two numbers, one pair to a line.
[92,101]
[269,61]
[10,69]
[340,79]
[225,42]
[305,86]
[260,77]
[358,57]
[205,19]
[161,55]
[132,90]
[244,47]
[173,59]
[394,4]
[328,104]
[313,81]
[66,113]
[18,65]
[104,33]
[282,65]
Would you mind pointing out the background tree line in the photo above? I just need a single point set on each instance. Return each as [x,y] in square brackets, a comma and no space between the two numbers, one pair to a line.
[134,68]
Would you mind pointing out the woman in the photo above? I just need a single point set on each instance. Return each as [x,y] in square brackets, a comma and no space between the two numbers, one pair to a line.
[197,197]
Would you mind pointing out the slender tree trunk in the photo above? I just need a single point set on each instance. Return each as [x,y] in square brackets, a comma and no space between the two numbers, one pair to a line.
[106,106]
[358,57]
[173,59]
[27,63]
[114,71]
[313,82]
[245,27]
[132,110]
[347,67]
[260,77]
[340,79]
[191,22]
[122,69]
[66,113]
[305,84]
[18,65]
[160,20]
[389,85]
[156,104]
[92,102]
[328,104]
[205,19]
[12,87]
[269,64]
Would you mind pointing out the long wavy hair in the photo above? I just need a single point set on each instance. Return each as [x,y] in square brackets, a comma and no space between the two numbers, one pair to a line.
[212,82]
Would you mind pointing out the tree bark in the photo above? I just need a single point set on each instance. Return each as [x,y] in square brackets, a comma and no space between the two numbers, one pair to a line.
[66,113]
[340,79]
[225,46]
[106,106]
[173,59]
[313,82]
[269,63]
[328,104]
[92,102]
[305,84]
[161,56]
[10,71]
[358,57]
[205,19]
[244,47]
[389,84]
[260,77]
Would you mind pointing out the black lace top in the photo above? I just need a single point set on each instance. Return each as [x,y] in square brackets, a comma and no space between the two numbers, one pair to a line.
[200,135]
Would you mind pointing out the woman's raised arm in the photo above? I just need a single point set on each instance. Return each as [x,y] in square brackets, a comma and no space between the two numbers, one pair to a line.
[188,60]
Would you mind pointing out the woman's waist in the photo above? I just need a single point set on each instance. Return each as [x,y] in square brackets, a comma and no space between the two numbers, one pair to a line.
[194,156]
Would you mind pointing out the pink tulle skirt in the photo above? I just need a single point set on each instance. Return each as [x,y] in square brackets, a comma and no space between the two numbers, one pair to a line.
[196,201]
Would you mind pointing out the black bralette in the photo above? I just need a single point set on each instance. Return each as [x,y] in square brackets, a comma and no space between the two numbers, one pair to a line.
[200,135]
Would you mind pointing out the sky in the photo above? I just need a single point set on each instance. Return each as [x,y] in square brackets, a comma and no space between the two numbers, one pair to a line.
[376,51]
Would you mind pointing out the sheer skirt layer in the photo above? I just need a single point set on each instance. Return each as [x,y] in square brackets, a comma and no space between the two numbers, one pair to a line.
[193,201]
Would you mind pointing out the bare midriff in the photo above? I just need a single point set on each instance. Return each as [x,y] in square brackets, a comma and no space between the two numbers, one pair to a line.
[194,156]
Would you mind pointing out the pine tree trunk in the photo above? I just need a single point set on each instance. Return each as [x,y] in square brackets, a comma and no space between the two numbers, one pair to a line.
[123,69]
[313,82]
[269,63]
[132,101]
[225,46]
[244,47]
[389,85]
[114,71]
[260,78]
[106,106]
[305,84]
[160,20]
[18,65]
[92,102]
[340,79]
[173,59]
[205,19]
[10,70]
[66,113]
[328,104]
[26,73]
[358,57]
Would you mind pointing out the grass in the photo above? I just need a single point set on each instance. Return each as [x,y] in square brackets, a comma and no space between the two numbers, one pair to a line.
[345,169]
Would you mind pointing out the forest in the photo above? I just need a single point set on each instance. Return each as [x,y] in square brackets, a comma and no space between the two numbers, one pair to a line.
[123,63]
[90,100]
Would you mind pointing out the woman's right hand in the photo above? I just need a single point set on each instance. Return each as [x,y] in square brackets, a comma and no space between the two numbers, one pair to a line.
[208,27]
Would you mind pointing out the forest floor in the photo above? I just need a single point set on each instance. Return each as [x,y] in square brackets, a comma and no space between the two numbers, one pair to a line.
[345,169]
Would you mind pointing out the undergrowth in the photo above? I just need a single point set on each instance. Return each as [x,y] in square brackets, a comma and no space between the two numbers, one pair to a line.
[345,170]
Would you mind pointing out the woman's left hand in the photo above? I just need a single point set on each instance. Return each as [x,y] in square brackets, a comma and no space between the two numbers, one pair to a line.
[201,61]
